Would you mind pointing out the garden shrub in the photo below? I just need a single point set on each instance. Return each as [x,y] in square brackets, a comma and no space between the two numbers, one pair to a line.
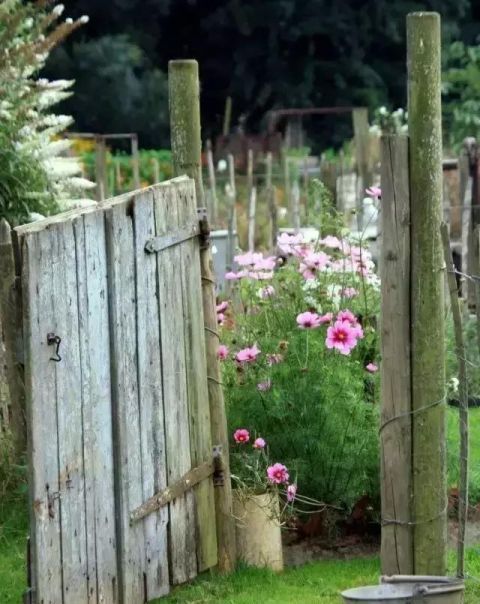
[317,406]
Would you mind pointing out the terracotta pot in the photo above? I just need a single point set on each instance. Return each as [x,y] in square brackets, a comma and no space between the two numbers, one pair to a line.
[259,539]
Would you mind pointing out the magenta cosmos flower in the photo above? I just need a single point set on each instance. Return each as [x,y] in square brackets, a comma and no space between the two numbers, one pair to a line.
[349,317]
[248,355]
[341,336]
[291,492]
[371,367]
[308,320]
[277,474]
[259,443]
[374,192]
[222,307]
[222,352]
[241,436]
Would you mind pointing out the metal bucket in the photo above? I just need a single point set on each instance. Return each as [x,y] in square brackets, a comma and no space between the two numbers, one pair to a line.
[408,589]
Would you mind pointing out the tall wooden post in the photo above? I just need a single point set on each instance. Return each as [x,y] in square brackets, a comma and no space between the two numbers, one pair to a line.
[184,100]
[396,421]
[252,201]
[272,202]
[361,137]
[231,218]
[11,322]
[429,503]
[227,116]
[156,170]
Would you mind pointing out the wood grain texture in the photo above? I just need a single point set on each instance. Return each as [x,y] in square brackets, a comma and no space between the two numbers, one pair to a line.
[396,437]
[96,407]
[150,392]
[126,419]
[182,547]
[39,319]
[196,372]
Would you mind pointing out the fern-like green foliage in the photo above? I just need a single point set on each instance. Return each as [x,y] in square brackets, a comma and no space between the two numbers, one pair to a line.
[34,177]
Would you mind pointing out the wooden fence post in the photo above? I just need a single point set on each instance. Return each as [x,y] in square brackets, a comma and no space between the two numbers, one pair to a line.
[101,168]
[213,184]
[395,434]
[427,294]
[232,216]
[252,201]
[135,163]
[156,170]
[361,137]
[118,176]
[271,199]
[227,116]
[184,100]
[11,323]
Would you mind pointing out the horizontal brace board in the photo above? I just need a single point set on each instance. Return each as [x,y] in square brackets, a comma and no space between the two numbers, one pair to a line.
[157,244]
[181,486]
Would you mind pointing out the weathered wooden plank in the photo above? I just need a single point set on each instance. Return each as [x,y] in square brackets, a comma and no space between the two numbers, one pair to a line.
[396,437]
[182,522]
[68,381]
[197,386]
[150,392]
[39,319]
[96,405]
[126,418]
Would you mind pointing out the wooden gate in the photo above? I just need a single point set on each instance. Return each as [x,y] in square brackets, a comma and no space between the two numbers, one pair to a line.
[117,395]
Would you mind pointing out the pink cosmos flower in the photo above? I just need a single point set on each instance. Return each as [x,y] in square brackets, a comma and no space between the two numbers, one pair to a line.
[241,436]
[220,318]
[308,320]
[222,352]
[371,367]
[374,192]
[331,242]
[349,292]
[259,443]
[277,474]
[326,318]
[248,355]
[222,307]
[291,492]
[265,264]
[266,292]
[232,276]
[312,263]
[341,336]
[274,359]
[349,317]
[248,259]
[289,243]
[264,386]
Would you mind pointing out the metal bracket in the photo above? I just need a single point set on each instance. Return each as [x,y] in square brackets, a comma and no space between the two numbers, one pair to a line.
[54,340]
[219,467]
[163,242]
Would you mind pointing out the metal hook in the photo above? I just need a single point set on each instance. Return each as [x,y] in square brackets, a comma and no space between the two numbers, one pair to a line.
[54,340]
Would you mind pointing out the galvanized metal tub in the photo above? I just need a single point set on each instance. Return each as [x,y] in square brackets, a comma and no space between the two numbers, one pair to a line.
[408,589]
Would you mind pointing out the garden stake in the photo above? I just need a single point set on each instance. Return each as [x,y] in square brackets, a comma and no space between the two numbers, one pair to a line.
[461,354]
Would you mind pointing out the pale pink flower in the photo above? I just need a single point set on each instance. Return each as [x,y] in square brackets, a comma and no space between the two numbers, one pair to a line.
[247,355]
[241,436]
[349,292]
[266,292]
[222,352]
[326,318]
[371,367]
[262,275]
[277,474]
[265,264]
[308,320]
[264,386]
[374,192]
[291,492]
[274,359]
[248,259]
[259,443]
[342,337]
[288,243]
[222,307]
[331,242]
[312,263]
[232,276]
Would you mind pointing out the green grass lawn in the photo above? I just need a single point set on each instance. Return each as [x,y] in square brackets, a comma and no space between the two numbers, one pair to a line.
[319,582]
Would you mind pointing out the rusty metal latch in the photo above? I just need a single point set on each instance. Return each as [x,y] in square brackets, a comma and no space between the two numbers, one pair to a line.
[163,242]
